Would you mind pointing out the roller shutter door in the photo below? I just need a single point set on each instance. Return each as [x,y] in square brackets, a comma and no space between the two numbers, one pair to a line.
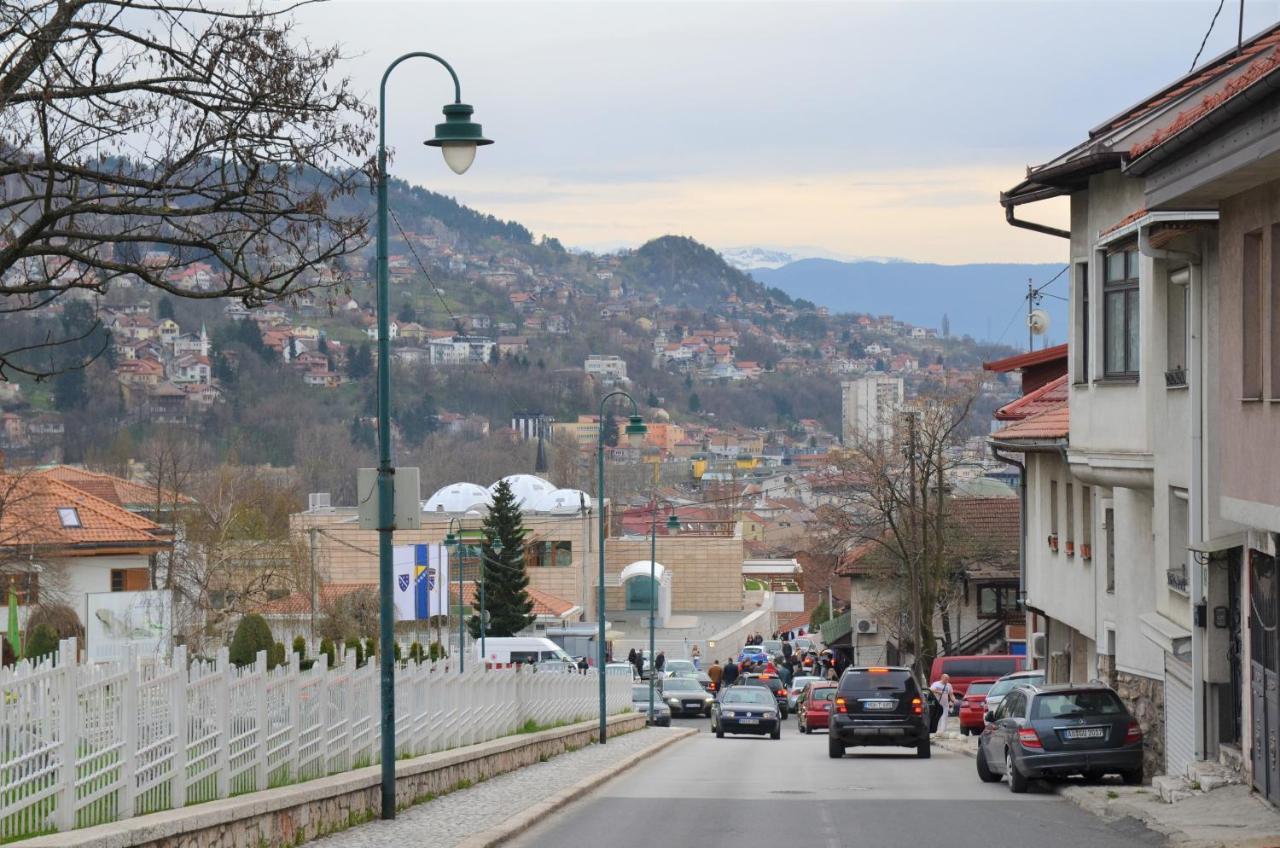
[1179,724]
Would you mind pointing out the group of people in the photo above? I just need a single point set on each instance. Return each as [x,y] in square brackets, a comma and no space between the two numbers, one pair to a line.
[636,658]
[787,665]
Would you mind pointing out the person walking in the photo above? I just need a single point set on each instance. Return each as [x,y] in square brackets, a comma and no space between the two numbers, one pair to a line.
[715,672]
[946,695]
[582,664]
[638,661]
[696,656]
[659,662]
[730,673]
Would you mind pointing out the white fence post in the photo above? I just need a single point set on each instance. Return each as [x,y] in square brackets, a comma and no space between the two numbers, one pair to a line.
[178,715]
[260,722]
[294,707]
[129,735]
[223,673]
[64,816]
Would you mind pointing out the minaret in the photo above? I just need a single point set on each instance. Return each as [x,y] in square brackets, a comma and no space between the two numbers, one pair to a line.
[204,341]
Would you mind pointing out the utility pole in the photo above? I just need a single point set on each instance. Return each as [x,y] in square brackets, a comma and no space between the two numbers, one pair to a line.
[315,598]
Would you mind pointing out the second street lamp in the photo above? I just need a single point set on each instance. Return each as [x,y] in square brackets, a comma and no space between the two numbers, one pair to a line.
[458,137]
[673,525]
[635,431]
[453,542]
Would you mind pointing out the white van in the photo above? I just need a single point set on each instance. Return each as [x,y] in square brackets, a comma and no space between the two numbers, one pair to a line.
[527,650]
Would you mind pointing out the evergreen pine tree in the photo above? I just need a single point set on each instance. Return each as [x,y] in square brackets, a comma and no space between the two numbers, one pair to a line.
[505,582]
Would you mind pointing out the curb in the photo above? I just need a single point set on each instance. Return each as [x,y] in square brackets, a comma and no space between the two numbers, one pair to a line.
[516,824]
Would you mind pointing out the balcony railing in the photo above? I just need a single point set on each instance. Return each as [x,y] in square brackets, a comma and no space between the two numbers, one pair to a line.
[1177,580]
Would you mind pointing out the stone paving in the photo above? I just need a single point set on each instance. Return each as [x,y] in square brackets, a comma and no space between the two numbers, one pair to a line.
[449,819]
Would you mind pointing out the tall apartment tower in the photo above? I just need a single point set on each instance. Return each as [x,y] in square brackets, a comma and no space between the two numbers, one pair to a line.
[869,408]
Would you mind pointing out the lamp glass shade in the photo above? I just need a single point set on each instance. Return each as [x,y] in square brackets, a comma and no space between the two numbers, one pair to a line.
[459,155]
[497,546]
[450,539]
[673,523]
[636,430]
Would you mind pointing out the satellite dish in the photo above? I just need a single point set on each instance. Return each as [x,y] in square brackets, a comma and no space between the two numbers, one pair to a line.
[1038,321]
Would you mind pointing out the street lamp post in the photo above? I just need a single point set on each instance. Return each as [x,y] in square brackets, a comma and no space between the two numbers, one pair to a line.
[454,542]
[635,432]
[673,524]
[458,137]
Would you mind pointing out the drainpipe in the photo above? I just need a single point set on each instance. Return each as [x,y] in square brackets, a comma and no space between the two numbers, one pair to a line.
[1196,495]
[1022,530]
[1014,221]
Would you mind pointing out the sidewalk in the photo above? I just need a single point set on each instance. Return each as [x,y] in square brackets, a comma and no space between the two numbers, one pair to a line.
[1228,817]
[486,813]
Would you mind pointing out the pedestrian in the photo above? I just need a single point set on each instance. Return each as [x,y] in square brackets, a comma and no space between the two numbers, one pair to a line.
[582,664]
[786,651]
[638,661]
[784,674]
[715,672]
[730,673]
[659,662]
[946,695]
[696,656]
[631,656]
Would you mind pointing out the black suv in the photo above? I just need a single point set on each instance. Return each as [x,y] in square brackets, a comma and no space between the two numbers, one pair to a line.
[878,705]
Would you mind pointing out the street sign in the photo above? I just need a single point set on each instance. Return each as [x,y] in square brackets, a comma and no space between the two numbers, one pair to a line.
[407,497]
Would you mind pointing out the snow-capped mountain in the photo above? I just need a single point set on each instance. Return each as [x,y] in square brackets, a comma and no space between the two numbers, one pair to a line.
[751,258]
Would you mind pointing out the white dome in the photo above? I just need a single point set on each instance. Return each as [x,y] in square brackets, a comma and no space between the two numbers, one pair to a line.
[530,491]
[565,501]
[458,497]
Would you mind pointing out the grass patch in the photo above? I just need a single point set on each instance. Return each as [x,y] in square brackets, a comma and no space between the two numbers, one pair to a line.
[1112,794]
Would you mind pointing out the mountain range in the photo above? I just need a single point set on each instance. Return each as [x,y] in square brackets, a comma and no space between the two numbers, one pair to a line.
[986,301]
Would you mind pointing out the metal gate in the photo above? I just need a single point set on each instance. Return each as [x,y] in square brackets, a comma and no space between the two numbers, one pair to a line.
[1179,727]
[1264,675]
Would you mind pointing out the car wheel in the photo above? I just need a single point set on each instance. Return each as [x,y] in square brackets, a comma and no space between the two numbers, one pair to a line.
[707,714]
[1017,781]
[719,731]
[1132,778]
[834,749]
[783,714]
[985,774]
[964,731]
[777,732]
[925,749]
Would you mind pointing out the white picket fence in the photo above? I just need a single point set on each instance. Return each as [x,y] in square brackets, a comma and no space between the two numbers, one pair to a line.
[87,744]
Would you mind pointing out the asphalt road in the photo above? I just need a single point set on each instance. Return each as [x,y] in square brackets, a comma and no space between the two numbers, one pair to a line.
[753,792]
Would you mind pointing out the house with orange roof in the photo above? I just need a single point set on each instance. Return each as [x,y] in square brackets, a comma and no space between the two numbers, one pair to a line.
[59,543]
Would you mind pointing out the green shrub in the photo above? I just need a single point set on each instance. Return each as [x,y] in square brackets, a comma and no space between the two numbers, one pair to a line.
[43,640]
[300,647]
[326,648]
[436,652]
[252,635]
[396,652]
[370,649]
[354,647]
[277,655]
[415,651]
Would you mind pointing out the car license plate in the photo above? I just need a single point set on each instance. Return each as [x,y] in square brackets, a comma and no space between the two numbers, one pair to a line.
[692,705]
[748,721]
[880,705]
[1085,733]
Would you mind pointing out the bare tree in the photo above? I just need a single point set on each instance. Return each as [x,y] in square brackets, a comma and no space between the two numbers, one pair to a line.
[143,139]
[174,456]
[887,498]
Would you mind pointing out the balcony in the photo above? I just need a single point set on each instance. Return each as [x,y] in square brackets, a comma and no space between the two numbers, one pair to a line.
[1177,580]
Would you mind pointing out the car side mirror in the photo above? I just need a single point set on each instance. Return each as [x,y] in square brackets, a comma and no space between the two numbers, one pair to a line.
[990,717]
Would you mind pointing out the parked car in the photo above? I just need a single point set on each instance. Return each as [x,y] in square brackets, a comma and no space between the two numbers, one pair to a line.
[802,644]
[746,709]
[1009,682]
[752,653]
[813,707]
[685,696]
[704,679]
[973,707]
[771,682]
[772,647]
[878,705]
[966,669]
[504,650]
[671,667]
[640,703]
[797,686]
[1058,731]
[621,670]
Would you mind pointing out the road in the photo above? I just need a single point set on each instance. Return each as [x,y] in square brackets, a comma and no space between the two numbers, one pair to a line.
[753,792]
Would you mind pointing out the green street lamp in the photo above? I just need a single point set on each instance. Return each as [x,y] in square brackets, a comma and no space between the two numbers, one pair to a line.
[454,543]
[635,431]
[484,618]
[458,137]
[673,527]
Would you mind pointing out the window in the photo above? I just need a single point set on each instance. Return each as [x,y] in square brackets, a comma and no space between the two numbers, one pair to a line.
[1082,341]
[1110,515]
[1120,314]
[1273,308]
[1086,518]
[1251,318]
[130,579]
[548,554]
[997,601]
[1053,507]
[1071,515]
[1176,327]
[69,516]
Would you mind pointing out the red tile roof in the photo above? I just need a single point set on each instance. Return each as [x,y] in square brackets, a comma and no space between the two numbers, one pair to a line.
[29,516]
[1044,398]
[1026,360]
[1049,424]
[116,490]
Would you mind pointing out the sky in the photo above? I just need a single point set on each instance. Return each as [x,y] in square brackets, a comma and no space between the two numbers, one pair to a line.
[851,128]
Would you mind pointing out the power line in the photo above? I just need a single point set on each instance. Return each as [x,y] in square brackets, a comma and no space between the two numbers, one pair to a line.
[1205,40]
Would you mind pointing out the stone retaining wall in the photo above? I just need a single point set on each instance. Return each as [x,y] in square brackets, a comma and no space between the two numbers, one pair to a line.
[291,815]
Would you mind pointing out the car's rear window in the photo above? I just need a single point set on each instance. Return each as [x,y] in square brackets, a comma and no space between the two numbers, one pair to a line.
[979,666]
[773,683]
[1004,687]
[826,693]
[978,688]
[746,695]
[1091,702]
[858,681]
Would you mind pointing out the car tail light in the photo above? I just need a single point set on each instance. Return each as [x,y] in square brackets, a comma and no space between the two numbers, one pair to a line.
[917,706]
[1029,738]
[1133,735]
[841,705]
[782,693]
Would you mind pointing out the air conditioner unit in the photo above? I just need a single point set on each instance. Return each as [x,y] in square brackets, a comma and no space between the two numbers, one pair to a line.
[865,626]
[1035,646]
[318,500]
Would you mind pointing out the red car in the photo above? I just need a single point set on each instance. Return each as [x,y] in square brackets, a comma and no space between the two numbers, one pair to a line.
[813,707]
[973,709]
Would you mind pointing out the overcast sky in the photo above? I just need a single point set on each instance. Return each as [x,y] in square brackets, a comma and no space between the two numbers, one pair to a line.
[856,128]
